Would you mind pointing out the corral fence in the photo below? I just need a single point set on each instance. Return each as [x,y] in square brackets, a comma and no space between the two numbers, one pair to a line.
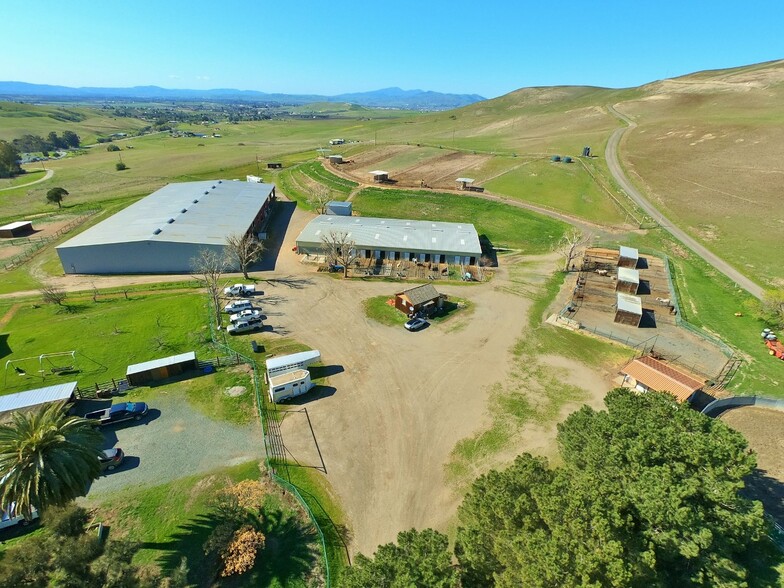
[35,244]
[274,450]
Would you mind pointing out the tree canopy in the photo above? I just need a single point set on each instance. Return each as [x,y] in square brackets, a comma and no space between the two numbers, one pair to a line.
[9,160]
[420,558]
[56,195]
[47,458]
[647,496]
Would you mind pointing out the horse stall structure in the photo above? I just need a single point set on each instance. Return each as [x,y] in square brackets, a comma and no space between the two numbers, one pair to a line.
[628,310]
[627,280]
[379,176]
[35,398]
[628,257]
[17,229]
[424,299]
[155,370]
[648,373]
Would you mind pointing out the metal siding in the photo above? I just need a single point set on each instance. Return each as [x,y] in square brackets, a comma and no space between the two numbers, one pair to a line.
[30,398]
[147,257]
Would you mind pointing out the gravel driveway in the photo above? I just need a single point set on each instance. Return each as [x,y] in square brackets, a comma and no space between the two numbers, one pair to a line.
[174,441]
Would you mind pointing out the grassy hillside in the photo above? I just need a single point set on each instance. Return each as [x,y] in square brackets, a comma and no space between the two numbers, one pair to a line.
[709,149]
[27,119]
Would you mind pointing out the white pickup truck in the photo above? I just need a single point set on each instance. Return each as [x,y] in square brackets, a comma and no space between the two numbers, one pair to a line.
[239,290]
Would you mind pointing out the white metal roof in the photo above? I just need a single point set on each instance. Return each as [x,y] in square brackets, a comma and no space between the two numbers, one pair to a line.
[38,396]
[284,360]
[629,253]
[191,212]
[288,377]
[628,275]
[397,234]
[16,225]
[466,180]
[379,172]
[629,303]
[159,363]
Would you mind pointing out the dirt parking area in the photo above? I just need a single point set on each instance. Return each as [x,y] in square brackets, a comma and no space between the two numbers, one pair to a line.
[402,400]
[764,430]
[173,441]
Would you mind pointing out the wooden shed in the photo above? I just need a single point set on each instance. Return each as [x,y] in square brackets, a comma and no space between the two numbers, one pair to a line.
[628,257]
[335,159]
[139,374]
[647,373]
[422,298]
[17,229]
[628,280]
[628,309]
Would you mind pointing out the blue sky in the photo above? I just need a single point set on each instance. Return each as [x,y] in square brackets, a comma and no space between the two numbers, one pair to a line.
[485,47]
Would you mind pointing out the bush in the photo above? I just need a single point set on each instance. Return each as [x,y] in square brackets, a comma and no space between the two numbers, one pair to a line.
[119,166]
[112,148]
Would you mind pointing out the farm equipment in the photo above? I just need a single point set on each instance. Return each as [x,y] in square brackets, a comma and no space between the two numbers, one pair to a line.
[775,347]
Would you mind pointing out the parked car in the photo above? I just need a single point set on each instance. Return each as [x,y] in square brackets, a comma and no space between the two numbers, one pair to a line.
[237,306]
[240,290]
[117,413]
[111,458]
[9,517]
[245,326]
[415,324]
[244,315]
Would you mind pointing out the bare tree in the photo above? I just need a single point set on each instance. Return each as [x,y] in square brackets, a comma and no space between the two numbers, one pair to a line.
[208,267]
[571,245]
[245,250]
[339,249]
[53,295]
[318,196]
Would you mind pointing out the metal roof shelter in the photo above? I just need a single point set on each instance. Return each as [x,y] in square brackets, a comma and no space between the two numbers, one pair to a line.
[379,175]
[32,398]
[652,374]
[628,257]
[160,369]
[16,229]
[163,232]
[628,309]
[464,182]
[377,234]
[628,280]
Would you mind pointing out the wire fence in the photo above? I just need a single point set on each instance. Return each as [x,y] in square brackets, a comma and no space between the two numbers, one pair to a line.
[37,243]
[274,452]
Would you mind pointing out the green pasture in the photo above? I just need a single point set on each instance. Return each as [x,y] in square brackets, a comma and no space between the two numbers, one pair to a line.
[566,187]
[503,225]
[107,335]
[26,178]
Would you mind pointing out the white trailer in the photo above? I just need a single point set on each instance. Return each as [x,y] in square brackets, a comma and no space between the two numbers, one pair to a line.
[288,385]
[289,363]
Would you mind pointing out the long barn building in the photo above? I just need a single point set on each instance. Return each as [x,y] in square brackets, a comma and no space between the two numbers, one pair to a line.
[165,231]
[396,239]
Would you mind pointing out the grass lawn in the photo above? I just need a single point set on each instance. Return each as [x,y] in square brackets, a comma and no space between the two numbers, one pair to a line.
[26,178]
[378,309]
[107,335]
[503,225]
[174,520]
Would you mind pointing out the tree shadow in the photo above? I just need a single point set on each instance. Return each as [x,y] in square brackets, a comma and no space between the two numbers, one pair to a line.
[769,491]
[293,282]
[5,349]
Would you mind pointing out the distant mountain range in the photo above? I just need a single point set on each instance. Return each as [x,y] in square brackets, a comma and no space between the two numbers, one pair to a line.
[385,98]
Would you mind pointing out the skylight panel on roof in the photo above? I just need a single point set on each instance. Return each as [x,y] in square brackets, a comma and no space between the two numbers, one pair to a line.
[433,239]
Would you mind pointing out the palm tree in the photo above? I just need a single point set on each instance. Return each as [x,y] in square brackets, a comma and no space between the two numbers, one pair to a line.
[47,458]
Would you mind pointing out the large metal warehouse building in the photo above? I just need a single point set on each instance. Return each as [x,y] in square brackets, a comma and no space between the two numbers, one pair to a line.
[163,232]
[384,238]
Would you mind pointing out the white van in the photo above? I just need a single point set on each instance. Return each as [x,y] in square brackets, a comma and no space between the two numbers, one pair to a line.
[9,517]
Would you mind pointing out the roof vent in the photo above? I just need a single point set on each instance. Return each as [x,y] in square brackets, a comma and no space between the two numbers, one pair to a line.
[207,191]
[156,232]
[196,201]
[170,221]
[220,181]
[184,210]
[213,187]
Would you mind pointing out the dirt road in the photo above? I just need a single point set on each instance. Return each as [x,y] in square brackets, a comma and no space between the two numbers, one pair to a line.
[611,154]
[49,173]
